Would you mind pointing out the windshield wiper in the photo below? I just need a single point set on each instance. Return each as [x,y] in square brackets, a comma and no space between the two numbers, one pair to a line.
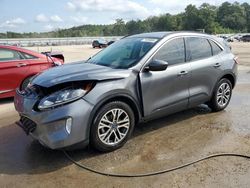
[88,59]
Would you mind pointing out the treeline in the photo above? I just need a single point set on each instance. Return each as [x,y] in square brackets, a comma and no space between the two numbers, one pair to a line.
[226,18]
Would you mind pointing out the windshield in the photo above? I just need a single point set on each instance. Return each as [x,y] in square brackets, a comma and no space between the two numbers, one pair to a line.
[124,53]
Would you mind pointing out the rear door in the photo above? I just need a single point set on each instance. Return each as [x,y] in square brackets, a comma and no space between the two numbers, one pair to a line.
[12,71]
[206,68]
[36,64]
[165,92]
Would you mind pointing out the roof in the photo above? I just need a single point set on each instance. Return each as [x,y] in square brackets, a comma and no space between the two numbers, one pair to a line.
[158,35]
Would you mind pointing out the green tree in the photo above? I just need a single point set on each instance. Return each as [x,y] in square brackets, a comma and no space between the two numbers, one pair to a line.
[232,16]
[119,28]
[246,6]
[192,19]
[207,14]
[166,23]
[132,27]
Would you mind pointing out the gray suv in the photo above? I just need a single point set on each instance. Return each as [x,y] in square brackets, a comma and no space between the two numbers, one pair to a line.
[138,78]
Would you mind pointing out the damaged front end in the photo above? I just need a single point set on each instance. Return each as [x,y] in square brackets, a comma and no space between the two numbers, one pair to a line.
[56,116]
[62,94]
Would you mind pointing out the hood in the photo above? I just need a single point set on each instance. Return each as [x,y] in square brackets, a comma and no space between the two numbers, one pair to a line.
[78,72]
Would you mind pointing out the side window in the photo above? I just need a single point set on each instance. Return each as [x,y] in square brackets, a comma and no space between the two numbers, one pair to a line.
[9,55]
[216,49]
[28,56]
[199,48]
[172,52]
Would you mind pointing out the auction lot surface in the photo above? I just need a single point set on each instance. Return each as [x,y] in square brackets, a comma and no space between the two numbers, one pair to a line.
[156,145]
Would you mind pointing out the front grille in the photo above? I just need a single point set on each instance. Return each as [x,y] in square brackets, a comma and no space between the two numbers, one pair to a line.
[27,124]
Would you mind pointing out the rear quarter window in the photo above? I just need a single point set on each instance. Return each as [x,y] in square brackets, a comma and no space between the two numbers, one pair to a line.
[216,49]
[28,56]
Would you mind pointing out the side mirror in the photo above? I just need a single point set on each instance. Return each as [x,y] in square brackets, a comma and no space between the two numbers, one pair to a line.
[157,65]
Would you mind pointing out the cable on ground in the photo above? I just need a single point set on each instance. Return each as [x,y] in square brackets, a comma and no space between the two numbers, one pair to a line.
[155,172]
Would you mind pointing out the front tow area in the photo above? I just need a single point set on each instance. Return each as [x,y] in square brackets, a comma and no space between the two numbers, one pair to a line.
[56,128]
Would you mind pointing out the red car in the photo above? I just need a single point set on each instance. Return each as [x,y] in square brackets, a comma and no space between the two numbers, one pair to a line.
[18,65]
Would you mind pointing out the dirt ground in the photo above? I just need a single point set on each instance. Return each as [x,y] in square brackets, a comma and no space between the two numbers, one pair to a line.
[71,53]
[156,145]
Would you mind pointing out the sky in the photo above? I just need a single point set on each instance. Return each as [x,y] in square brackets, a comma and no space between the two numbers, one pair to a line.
[48,15]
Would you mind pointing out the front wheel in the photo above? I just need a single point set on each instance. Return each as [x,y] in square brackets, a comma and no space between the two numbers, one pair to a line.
[112,126]
[221,95]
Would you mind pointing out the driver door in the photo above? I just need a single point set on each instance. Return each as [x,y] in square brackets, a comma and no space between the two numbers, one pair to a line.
[12,71]
[165,92]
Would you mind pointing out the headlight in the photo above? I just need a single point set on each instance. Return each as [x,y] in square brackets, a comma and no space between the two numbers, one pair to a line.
[61,97]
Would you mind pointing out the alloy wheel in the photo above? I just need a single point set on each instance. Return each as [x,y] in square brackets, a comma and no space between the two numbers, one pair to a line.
[113,126]
[223,94]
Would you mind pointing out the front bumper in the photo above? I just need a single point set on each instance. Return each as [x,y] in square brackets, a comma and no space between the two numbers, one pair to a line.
[49,127]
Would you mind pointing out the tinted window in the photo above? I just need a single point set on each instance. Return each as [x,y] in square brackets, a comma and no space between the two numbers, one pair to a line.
[216,49]
[9,55]
[199,48]
[172,52]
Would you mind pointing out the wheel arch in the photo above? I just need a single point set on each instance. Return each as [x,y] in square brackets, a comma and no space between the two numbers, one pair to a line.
[213,103]
[129,101]
[121,97]
[230,77]
[29,76]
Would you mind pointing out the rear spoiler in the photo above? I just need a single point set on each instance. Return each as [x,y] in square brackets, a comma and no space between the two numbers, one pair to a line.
[57,55]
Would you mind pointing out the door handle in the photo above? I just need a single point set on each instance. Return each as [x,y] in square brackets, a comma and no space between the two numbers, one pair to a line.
[182,73]
[21,65]
[216,65]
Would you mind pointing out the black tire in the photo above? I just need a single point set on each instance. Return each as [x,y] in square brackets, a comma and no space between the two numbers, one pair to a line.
[214,103]
[25,83]
[95,134]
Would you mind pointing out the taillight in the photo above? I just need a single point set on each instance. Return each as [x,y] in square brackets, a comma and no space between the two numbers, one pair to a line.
[236,60]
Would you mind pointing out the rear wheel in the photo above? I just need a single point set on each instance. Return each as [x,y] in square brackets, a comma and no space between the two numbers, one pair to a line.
[221,95]
[112,126]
